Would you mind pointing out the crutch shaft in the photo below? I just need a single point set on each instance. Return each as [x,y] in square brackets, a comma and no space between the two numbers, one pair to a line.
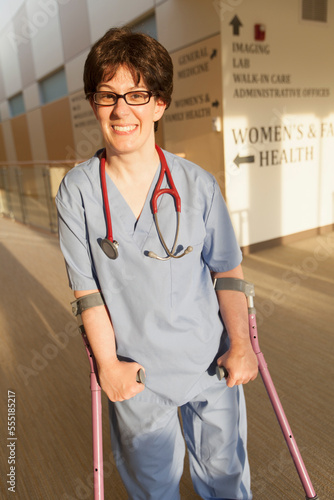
[97,438]
[96,424]
[279,411]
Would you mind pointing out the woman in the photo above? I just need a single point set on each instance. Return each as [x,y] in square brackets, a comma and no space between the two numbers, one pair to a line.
[162,316]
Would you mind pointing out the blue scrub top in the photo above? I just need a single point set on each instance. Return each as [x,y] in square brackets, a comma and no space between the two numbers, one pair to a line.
[165,313]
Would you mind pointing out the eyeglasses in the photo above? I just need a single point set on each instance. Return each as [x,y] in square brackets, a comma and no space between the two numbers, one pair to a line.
[135,98]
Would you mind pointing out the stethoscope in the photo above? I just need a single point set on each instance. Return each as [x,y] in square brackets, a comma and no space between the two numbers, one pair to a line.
[110,246]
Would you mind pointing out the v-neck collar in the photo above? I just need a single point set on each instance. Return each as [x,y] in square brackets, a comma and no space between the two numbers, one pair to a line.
[140,228]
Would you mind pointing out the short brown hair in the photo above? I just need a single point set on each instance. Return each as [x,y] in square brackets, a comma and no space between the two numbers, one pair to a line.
[144,56]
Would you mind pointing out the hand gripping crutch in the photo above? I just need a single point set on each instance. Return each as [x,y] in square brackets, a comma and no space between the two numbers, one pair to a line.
[248,289]
[78,306]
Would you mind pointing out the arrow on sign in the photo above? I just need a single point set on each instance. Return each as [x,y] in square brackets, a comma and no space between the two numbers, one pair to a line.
[236,23]
[213,54]
[243,159]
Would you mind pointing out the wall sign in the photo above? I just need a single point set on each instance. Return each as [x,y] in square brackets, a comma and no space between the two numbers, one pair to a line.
[192,123]
[278,124]
[86,131]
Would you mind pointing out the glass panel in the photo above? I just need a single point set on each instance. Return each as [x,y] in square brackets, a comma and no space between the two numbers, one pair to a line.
[4,196]
[53,87]
[27,193]
[148,26]
[16,105]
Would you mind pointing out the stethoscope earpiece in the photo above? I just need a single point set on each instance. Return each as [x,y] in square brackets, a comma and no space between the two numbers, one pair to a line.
[110,248]
[170,255]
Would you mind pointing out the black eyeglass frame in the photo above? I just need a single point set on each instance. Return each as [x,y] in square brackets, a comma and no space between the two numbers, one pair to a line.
[123,96]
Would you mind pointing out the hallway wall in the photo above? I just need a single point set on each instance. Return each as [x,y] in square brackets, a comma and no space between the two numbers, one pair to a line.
[258,114]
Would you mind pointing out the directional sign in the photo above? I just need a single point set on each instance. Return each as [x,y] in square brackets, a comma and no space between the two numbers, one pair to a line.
[243,159]
[194,117]
[213,54]
[236,23]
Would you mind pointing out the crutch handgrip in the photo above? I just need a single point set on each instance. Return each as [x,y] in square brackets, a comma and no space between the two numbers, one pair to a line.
[221,372]
[140,377]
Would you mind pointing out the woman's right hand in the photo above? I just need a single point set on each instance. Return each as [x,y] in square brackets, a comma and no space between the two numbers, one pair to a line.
[118,380]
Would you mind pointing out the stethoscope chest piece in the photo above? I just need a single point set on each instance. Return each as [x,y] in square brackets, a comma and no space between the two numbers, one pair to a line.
[110,248]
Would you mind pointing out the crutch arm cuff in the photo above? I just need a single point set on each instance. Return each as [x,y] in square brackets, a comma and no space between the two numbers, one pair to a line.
[86,302]
[235,284]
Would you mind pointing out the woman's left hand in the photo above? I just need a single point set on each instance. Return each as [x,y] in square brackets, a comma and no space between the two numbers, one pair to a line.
[241,365]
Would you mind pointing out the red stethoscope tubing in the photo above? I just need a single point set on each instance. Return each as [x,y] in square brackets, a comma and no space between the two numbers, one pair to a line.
[172,190]
[105,197]
[157,191]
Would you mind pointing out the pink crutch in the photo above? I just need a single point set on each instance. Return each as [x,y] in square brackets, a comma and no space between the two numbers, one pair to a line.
[96,422]
[248,289]
[78,306]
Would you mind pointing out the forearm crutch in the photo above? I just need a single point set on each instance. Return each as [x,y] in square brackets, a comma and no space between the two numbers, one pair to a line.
[78,306]
[248,289]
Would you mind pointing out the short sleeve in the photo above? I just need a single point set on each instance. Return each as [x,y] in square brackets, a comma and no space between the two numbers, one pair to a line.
[221,251]
[73,240]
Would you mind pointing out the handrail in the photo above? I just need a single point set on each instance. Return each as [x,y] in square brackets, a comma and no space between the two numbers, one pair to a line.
[27,193]
[40,162]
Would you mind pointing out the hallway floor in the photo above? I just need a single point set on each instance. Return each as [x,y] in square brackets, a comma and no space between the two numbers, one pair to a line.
[42,361]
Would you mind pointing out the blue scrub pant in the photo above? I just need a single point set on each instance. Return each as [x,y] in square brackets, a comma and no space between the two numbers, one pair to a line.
[149,448]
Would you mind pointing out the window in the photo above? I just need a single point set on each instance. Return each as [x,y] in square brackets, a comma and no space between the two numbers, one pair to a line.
[53,87]
[147,26]
[314,10]
[16,105]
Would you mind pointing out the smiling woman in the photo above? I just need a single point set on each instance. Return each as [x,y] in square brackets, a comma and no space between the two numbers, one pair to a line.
[160,313]
[127,128]
[145,58]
